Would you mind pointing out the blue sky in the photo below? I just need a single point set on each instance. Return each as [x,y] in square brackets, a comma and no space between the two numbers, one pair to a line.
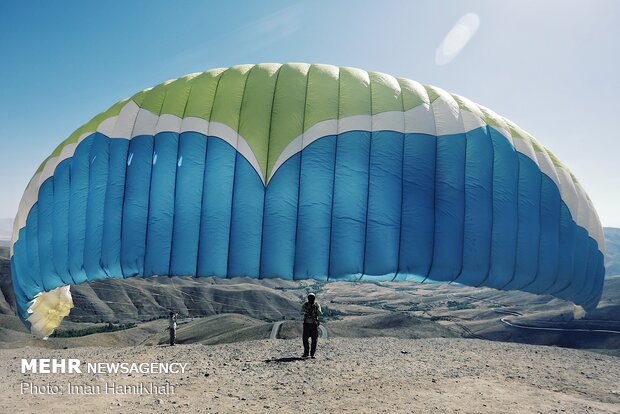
[550,66]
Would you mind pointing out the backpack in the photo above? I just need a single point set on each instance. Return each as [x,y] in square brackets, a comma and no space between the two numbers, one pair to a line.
[313,313]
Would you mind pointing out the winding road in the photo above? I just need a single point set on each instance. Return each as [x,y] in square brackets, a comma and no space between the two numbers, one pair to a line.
[275,329]
[540,328]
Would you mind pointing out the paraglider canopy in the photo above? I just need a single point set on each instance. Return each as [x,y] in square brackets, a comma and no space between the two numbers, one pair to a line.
[302,171]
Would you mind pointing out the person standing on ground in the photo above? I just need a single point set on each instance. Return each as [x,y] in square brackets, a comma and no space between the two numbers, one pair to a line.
[312,315]
[172,326]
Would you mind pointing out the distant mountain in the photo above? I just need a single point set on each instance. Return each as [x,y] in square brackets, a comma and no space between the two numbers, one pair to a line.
[612,244]
[6,229]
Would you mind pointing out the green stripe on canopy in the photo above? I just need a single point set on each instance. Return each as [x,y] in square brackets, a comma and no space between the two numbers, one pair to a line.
[272,104]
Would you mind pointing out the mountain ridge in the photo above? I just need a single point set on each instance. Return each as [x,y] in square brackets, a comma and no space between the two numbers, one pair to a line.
[612,247]
[6,229]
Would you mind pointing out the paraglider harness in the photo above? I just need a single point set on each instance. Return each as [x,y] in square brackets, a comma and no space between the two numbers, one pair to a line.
[312,313]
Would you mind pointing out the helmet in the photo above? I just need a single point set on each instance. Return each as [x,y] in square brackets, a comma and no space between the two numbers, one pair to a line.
[311,294]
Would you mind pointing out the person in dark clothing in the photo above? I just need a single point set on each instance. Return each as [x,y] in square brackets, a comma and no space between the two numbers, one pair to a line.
[312,314]
[172,326]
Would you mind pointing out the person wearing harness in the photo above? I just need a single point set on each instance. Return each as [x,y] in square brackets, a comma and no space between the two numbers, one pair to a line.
[172,326]
[312,315]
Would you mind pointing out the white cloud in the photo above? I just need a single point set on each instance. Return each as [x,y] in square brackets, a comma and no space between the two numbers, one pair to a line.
[273,27]
[457,38]
[257,35]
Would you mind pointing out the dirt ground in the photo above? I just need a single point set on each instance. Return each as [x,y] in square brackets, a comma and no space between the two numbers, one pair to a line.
[374,375]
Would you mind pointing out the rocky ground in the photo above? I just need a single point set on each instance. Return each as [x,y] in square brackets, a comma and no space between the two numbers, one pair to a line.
[372,375]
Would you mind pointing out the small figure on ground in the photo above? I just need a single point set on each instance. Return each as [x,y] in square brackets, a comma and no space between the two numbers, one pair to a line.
[312,315]
[172,326]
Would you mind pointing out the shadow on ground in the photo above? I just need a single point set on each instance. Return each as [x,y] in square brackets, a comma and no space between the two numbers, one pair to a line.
[284,360]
